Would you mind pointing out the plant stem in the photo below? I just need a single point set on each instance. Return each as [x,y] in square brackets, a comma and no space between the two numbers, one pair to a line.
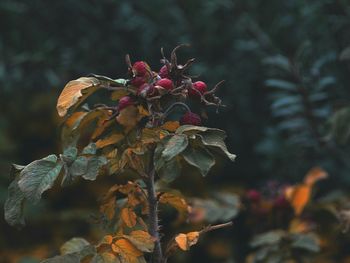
[153,213]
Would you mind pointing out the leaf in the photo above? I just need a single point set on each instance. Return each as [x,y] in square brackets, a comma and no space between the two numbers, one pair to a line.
[298,196]
[75,244]
[15,200]
[215,138]
[314,175]
[105,257]
[199,157]
[112,139]
[76,257]
[75,92]
[94,165]
[185,241]
[116,95]
[176,201]
[170,170]
[128,216]
[281,84]
[129,117]
[127,251]
[39,176]
[174,146]
[306,242]
[268,238]
[171,126]
[345,54]
[279,61]
[142,240]
[340,126]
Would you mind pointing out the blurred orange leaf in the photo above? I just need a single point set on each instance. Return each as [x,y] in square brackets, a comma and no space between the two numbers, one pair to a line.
[142,240]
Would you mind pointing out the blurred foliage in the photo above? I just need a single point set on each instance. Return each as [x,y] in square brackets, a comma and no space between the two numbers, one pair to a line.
[286,66]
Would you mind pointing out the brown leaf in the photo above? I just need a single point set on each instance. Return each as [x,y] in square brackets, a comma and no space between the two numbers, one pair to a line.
[129,117]
[127,251]
[185,241]
[129,217]
[109,258]
[116,95]
[75,92]
[141,240]
[112,139]
[171,126]
[108,208]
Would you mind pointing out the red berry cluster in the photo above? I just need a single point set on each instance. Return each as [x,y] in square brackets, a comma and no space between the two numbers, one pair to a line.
[170,81]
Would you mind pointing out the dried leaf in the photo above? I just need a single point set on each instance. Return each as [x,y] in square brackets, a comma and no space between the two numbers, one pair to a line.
[129,217]
[185,241]
[129,117]
[175,201]
[73,245]
[112,139]
[116,95]
[171,126]
[142,240]
[127,251]
[75,92]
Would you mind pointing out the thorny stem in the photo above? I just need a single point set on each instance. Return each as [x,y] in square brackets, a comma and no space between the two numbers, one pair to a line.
[153,212]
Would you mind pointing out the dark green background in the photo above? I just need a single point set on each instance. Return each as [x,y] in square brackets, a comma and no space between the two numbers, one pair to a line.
[44,44]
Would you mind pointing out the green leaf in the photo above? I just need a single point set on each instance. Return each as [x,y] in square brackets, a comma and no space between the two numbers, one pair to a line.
[340,126]
[191,129]
[106,257]
[306,242]
[93,167]
[15,200]
[199,157]
[170,170]
[345,54]
[73,245]
[75,257]
[281,84]
[39,176]
[174,146]
[90,149]
[215,138]
[268,238]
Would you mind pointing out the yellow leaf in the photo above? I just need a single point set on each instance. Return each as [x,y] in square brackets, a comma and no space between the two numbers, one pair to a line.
[112,139]
[314,175]
[142,240]
[171,126]
[185,241]
[126,250]
[75,92]
[116,95]
[128,216]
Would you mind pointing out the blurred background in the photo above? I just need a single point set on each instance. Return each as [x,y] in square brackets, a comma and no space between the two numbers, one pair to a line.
[286,66]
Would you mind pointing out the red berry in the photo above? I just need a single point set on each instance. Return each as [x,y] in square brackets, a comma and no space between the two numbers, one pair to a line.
[165,83]
[138,81]
[140,68]
[164,72]
[199,87]
[145,90]
[253,195]
[125,102]
[191,119]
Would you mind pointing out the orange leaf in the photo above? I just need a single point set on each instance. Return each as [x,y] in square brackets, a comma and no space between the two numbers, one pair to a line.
[117,94]
[171,126]
[314,175]
[108,208]
[185,241]
[113,139]
[298,196]
[175,201]
[128,216]
[141,240]
[75,92]
[126,250]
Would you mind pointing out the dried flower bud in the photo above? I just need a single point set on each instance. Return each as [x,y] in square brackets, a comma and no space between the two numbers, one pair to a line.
[191,119]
